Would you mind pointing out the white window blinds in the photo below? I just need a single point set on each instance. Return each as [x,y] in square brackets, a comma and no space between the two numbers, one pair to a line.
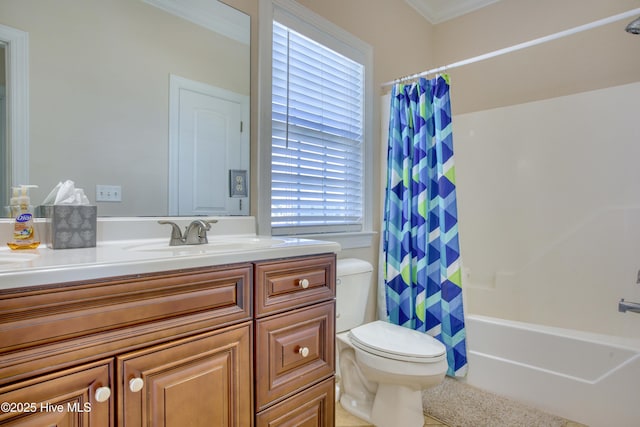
[317,137]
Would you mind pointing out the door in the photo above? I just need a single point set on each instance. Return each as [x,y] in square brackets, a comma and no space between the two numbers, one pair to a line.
[209,147]
[202,381]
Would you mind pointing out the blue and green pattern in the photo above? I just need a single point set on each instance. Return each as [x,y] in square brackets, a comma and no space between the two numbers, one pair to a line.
[421,254]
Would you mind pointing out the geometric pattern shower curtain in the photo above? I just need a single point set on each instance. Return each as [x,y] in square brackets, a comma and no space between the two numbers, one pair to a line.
[420,250]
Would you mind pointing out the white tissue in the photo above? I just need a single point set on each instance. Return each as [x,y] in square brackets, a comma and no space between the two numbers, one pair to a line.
[65,193]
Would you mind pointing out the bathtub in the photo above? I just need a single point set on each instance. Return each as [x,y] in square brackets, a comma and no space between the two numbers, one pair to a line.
[589,378]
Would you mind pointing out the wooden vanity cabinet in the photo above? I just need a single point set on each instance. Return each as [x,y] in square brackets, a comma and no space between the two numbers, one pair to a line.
[189,347]
[295,342]
[167,349]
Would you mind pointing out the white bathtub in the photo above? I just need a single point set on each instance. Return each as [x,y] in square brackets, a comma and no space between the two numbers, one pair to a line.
[589,378]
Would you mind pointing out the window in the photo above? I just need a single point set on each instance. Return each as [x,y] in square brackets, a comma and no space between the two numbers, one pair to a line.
[317,137]
[315,142]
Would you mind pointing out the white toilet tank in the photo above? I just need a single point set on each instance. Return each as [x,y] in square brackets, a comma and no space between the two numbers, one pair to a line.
[353,279]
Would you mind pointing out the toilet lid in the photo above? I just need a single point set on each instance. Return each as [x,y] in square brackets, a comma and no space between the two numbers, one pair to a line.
[397,342]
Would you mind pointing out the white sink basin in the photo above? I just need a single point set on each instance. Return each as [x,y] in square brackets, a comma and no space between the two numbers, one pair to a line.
[15,257]
[215,245]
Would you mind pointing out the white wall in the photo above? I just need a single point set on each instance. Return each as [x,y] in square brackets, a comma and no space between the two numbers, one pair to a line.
[549,209]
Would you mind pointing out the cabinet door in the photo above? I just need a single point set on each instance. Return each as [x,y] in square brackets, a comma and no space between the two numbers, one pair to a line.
[314,407]
[201,381]
[78,397]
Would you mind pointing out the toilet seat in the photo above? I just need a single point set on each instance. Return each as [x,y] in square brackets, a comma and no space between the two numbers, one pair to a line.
[397,342]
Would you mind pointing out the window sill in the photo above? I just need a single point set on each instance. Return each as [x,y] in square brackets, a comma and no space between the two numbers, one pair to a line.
[361,239]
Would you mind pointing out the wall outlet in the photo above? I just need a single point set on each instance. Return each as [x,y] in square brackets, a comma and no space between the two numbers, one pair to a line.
[237,183]
[108,193]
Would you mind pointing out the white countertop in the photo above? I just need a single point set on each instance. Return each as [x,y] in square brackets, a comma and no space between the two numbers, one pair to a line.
[45,266]
[110,258]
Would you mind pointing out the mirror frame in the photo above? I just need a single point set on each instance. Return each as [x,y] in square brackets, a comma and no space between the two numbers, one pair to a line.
[17,72]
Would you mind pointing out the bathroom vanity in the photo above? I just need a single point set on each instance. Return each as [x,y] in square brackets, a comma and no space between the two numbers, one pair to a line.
[218,344]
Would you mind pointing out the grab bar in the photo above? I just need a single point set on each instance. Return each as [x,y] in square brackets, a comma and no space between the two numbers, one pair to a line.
[624,306]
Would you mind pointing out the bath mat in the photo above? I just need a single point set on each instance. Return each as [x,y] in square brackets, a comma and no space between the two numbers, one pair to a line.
[460,405]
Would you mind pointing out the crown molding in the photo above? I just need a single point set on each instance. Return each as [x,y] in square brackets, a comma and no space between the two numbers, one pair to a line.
[437,11]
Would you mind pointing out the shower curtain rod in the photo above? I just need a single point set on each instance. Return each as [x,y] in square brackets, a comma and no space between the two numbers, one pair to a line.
[520,46]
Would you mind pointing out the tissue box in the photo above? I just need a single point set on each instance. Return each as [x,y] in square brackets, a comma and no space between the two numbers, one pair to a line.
[70,226]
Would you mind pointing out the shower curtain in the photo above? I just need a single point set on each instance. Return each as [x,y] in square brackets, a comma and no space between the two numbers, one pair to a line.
[420,255]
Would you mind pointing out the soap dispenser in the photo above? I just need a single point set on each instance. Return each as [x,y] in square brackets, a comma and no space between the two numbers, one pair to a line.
[24,230]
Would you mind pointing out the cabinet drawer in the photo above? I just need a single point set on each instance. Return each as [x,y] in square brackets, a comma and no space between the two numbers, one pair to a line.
[55,314]
[313,407]
[66,398]
[285,284]
[294,350]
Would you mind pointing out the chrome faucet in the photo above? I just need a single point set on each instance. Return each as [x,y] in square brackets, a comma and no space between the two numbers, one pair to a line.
[624,306]
[194,234]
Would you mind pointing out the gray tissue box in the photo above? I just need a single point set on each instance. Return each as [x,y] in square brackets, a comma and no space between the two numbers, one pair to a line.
[68,226]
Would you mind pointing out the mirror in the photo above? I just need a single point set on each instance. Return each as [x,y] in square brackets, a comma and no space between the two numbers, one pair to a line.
[4,152]
[144,103]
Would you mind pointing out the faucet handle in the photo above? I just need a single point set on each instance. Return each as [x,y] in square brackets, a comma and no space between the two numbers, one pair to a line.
[196,233]
[205,224]
[176,234]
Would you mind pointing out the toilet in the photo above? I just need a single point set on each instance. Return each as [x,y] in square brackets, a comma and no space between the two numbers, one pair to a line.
[383,367]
